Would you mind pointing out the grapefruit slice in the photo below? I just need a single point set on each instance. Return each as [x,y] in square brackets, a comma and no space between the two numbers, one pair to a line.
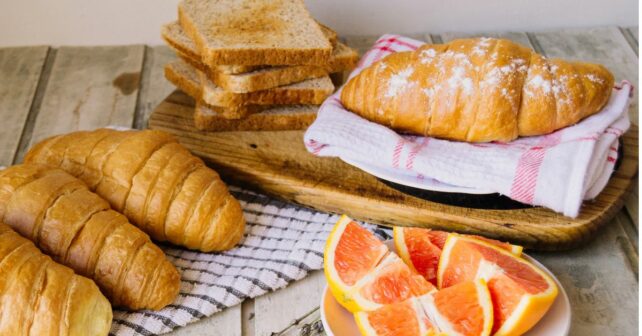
[521,293]
[350,253]
[406,318]
[461,310]
[390,282]
[421,249]
[363,274]
[464,309]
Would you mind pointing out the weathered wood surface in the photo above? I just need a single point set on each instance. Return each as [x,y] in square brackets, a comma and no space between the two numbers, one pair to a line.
[601,277]
[277,311]
[153,85]
[20,70]
[90,87]
[225,323]
[600,283]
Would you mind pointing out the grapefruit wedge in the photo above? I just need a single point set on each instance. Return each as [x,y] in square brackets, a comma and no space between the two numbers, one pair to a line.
[521,293]
[421,249]
[390,282]
[464,309]
[406,318]
[363,274]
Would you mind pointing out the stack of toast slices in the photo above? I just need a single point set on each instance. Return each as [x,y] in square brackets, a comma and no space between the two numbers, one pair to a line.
[254,65]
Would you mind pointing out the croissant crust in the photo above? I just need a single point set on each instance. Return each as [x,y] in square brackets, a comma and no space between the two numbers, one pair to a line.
[477,90]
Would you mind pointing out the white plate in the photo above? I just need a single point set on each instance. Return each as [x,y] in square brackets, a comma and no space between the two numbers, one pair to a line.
[557,321]
[411,181]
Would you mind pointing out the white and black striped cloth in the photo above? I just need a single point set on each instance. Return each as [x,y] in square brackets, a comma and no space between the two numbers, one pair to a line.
[282,243]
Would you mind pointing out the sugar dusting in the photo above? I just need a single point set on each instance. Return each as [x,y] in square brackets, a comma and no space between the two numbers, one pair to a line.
[495,75]
[399,81]
[427,55]
[431,91]
[481,47]
[594,78]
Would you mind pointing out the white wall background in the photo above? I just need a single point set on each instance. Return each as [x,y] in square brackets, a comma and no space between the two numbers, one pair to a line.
[98,22]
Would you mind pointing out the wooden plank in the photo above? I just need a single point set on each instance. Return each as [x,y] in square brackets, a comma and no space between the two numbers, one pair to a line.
[20,70]
[625,222]
[247,318]
[601,285]
[359,42]
[225,323]
[90,87]
[520,38]
[632,204]
[153,87]
[278,310]
[309,325]
[634,32]
[631,38]
[606,46]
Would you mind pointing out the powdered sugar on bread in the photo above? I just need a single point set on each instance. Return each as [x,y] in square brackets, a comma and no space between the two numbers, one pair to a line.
[477,90]
[399,82]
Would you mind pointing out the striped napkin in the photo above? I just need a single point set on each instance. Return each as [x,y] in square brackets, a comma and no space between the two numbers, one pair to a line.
[282,243]
[558,170]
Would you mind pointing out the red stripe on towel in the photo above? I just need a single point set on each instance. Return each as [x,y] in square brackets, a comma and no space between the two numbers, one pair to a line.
[528,167]
[396,154]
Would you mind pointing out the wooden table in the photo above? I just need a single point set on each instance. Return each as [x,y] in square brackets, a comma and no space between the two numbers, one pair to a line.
[46,90]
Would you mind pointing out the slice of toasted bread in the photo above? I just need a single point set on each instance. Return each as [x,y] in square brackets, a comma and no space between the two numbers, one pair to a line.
[310,91]
[187,79]
[175,36]
[332,36]
[213,118]
[239,69]
[343,59]
[254,78]
[276,118]
[254,32]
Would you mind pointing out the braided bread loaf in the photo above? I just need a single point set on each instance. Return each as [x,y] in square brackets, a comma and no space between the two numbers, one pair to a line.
[477,90]
[152,179]
[41,297]
[78,229]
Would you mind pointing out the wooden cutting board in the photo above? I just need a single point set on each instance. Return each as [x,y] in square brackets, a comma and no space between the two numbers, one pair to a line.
[278,164]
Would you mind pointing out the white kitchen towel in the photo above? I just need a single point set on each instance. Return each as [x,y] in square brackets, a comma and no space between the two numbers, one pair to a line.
[282,243]
[557,170]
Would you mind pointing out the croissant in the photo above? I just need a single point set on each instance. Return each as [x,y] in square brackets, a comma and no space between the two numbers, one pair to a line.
[78,229]
[41,297]
[154,181]
[477,90]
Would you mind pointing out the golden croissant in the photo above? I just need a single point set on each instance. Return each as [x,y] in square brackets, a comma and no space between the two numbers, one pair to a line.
[477,90]
[78,229]
[41,297]
[154,181]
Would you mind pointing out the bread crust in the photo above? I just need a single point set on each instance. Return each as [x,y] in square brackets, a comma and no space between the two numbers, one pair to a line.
[297,117]
[59,214]
[257,78]
[143,174]
[41,297]
[477,90]
[262,52]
